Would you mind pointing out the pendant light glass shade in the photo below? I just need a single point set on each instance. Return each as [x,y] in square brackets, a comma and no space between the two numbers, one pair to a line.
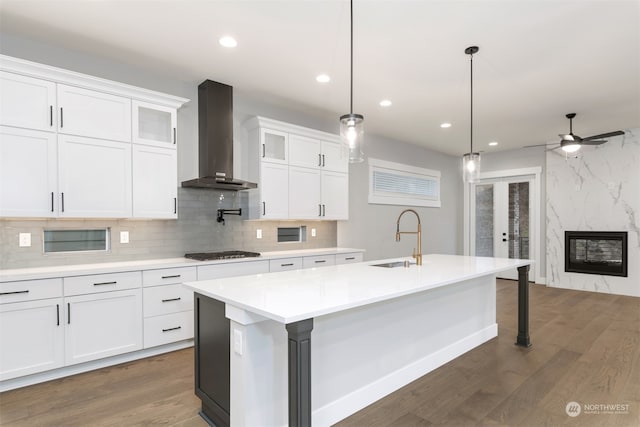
[352,135]
[471,167]
[352,125]
[471,160]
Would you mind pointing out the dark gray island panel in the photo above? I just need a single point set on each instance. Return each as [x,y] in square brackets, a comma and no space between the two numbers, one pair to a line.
[212,364]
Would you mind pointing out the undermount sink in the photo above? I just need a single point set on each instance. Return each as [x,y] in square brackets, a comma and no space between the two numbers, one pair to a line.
[391,264]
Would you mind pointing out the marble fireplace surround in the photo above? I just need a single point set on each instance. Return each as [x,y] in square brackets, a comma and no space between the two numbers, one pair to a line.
[599,190]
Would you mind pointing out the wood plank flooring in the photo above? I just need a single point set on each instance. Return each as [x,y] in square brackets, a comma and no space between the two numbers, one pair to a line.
[586,348]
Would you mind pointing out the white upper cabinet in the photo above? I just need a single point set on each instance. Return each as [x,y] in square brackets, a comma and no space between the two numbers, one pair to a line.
[155,182]
[333,157]
[312,168]
[27,102]
[95,114]
[154,124]
[274,191]
[274,146]
[335,195]
[304,193]
[94,178]
[66,145]
[304,151]
[28,173]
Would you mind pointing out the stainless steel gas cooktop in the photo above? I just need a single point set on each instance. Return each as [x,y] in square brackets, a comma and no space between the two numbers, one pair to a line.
[208,256]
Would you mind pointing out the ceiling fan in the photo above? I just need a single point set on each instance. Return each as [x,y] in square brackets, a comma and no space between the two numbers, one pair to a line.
[571,143]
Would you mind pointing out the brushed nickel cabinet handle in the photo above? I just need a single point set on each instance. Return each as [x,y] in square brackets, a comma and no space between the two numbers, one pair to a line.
[105,283]
[350,258]
[61,118]
[52,201]
[171,299]
[175,276]
[286,265]
[319,261]
[68,313]
[50,115]
[174,136]
[172,329]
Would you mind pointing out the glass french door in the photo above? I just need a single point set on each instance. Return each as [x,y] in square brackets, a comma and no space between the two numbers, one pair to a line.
[501,220]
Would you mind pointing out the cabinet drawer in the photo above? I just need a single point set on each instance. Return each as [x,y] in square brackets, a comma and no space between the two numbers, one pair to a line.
[349,258]
[166,299]
[169,328]
[29,290]
[166,276]
[285,264]
[101,283]
[318,261]
[219,271]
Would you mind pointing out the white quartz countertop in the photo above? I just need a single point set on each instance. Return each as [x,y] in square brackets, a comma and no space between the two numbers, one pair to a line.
[150,264]
[296,295]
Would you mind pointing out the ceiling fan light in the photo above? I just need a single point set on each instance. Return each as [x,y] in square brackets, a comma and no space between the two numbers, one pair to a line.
[570,148]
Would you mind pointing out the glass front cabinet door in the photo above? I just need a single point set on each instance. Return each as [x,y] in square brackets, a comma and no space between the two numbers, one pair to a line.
[154,125]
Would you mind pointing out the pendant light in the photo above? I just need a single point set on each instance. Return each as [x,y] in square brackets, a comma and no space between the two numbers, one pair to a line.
[352,125]
[471,160]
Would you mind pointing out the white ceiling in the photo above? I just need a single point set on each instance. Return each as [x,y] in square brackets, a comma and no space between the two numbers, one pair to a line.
[538,60]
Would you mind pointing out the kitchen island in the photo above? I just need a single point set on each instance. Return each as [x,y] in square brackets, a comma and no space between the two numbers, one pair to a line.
[314,346]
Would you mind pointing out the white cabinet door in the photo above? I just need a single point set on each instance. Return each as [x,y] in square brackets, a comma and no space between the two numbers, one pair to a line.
[31,337]
[28,173]
[154,124]
[335,195]
[304,151]
[304,193]
[95,114]
[27,102]
[94,178]
[274,191]
[333,157]
[102,325]
[274,145]
[155,182]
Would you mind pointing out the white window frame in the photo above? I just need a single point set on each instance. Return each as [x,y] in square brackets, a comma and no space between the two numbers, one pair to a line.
[384,198]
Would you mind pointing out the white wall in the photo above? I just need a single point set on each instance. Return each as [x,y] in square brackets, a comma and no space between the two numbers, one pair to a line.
[598,191]
[372,227]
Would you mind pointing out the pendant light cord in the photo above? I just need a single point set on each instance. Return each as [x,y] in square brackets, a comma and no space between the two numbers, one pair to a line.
[471,126]
[351,53]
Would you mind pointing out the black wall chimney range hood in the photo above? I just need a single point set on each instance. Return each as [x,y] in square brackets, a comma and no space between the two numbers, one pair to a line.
[215,140]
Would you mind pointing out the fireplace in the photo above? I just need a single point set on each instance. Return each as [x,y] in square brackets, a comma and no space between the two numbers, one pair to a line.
[596,252]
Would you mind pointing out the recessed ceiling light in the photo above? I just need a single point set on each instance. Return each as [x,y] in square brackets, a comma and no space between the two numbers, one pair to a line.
[323,78]
[493,143]
[385,103]
[445,125]
[228,41]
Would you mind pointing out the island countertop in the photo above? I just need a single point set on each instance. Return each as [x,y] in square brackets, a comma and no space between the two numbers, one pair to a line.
[296,295]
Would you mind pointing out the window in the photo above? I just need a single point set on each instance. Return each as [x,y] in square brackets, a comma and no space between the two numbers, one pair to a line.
[398,184]
[76,240]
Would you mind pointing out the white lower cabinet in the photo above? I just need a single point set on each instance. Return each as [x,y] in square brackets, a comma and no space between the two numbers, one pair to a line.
[102,325]
[349,258]
[285,264]
[32,337]
[159,330]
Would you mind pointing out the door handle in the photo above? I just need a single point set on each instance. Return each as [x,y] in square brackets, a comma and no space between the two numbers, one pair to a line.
[51,115]
[319,160]
[504,240]
[323,160]
[61,118]
[174,135]
[264,208]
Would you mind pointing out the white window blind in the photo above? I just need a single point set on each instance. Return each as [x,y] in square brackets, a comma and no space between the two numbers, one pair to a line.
[398,184]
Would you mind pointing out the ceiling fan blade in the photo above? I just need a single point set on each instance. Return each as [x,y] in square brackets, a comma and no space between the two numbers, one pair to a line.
[604,135]
[539,145]
[551,149]
[590,142]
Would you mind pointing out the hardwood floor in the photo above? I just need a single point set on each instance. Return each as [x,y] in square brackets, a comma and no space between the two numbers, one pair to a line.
[586,348]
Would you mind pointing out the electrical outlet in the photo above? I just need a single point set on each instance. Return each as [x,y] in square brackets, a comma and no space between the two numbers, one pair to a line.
[313,232]
[24,240]
[259,233]
[237,341]
[124,237]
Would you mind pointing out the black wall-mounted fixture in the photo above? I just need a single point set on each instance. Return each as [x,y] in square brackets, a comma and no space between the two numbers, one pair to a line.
[222,212]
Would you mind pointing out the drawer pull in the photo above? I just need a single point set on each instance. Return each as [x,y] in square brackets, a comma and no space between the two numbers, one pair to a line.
[171,299]
[14,292]
[172,329]
[175,276]
[318,261]
[350,258]
[286,265]
[57,314]
[68,313]
[105,283]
